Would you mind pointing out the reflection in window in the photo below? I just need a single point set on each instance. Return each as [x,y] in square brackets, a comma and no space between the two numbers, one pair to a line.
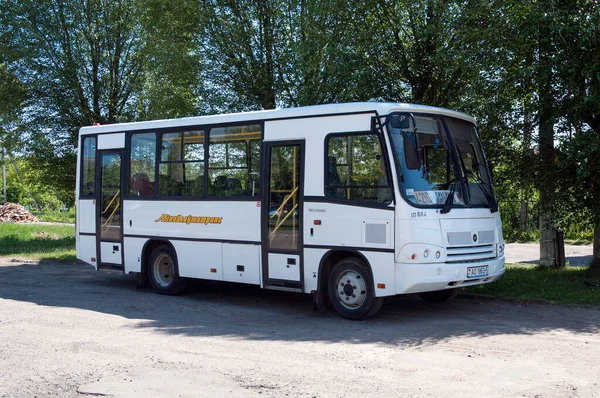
[110,198]
[356,169]
[234,161]
[88,170]
[142,164]
[284,204]
[181,168]
[437,162]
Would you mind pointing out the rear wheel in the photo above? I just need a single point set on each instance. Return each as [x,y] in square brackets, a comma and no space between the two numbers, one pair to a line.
[438,296]
[351,290]
[163,272]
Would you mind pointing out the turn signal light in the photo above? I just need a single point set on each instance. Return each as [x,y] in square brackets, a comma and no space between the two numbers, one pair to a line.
[317,222]
[214,270]
[381,286]
[94,259]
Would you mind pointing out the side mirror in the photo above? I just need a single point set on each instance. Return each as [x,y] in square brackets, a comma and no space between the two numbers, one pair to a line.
[400,122]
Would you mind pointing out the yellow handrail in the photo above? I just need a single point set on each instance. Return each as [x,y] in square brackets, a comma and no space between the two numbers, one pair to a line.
[112,200]
[287,198]
[109,219]
[279,223]
[280,208]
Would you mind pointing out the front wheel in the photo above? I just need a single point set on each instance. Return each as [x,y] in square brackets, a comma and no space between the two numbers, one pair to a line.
[438,296]
[163,272]
[351,290]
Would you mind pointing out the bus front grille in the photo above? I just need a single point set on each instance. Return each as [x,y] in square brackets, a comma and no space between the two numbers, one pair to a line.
[469,254]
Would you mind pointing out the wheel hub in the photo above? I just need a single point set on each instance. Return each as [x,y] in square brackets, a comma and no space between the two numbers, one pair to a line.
[164,270]
[352,289]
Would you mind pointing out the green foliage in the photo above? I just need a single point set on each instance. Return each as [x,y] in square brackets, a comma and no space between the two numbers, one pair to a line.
[57,216]
[55,242]
[559,286]
[45,191]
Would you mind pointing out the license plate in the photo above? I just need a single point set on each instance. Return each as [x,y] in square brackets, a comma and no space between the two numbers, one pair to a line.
[477,272]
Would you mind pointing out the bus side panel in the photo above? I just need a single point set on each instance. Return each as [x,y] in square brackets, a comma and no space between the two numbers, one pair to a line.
[132,250]
[337,225]
[86,216]
[201,260]
[352,228]
[86,249]
[202,219]
[312,259]
[241,263]
[382,265]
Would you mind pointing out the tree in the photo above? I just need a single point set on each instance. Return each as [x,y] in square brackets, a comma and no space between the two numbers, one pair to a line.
[172,73]
[241,42]
[578,71]
[81,62]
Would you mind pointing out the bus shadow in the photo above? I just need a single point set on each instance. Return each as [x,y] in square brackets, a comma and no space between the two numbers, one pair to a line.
[248,312]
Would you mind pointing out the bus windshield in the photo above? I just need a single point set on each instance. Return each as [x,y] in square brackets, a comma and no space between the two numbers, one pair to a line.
[440,162]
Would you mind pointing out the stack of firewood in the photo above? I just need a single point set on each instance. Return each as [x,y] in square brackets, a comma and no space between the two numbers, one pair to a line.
[14,212]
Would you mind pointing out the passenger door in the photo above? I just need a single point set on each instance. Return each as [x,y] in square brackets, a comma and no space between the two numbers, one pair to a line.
[109,209]
[282,205]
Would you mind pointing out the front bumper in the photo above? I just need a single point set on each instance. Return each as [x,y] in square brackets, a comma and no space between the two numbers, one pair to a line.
[416,278]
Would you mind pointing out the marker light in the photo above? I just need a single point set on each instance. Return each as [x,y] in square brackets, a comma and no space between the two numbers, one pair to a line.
[437,254]
[413,257]
[426,253]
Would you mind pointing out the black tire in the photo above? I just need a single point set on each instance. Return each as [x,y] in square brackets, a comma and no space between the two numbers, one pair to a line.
[438,296]
[350,290]
[163,272]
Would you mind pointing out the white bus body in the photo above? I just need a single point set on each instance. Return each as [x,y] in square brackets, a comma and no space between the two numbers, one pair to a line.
[349,202]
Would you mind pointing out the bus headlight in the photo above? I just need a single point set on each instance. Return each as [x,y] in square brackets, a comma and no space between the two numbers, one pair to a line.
[419,253]
[500,249]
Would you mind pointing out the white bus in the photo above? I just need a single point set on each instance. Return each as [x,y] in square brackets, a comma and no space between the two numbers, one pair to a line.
[349,202]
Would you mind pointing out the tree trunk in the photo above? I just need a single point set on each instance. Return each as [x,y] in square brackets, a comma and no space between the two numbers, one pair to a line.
[525,170]
[546,141]
[593,273]
[596,252]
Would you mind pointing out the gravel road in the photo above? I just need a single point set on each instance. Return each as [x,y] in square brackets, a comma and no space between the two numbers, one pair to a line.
[69,331]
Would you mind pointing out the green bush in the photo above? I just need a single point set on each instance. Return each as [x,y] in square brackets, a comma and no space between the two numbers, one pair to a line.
[63,216]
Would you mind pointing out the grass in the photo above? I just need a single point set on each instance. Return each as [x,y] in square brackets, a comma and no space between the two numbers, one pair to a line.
[54,242]
[61,216]
[556,286]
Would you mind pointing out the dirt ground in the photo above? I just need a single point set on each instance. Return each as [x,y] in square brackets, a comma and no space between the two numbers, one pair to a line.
[69,331]
[529,253]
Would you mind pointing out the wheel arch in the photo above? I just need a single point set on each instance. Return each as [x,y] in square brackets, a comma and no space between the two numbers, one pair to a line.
[150,246]
[334,256]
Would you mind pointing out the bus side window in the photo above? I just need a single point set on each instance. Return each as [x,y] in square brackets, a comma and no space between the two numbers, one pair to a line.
[234,161]
[142,162]
[88,169]
[181,164]
[355,169]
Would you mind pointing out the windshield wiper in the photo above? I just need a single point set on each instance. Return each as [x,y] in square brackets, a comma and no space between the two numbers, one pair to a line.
[491,200]
[450,198]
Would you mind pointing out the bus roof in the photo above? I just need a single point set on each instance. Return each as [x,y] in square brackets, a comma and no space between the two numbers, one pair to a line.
[381,108]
